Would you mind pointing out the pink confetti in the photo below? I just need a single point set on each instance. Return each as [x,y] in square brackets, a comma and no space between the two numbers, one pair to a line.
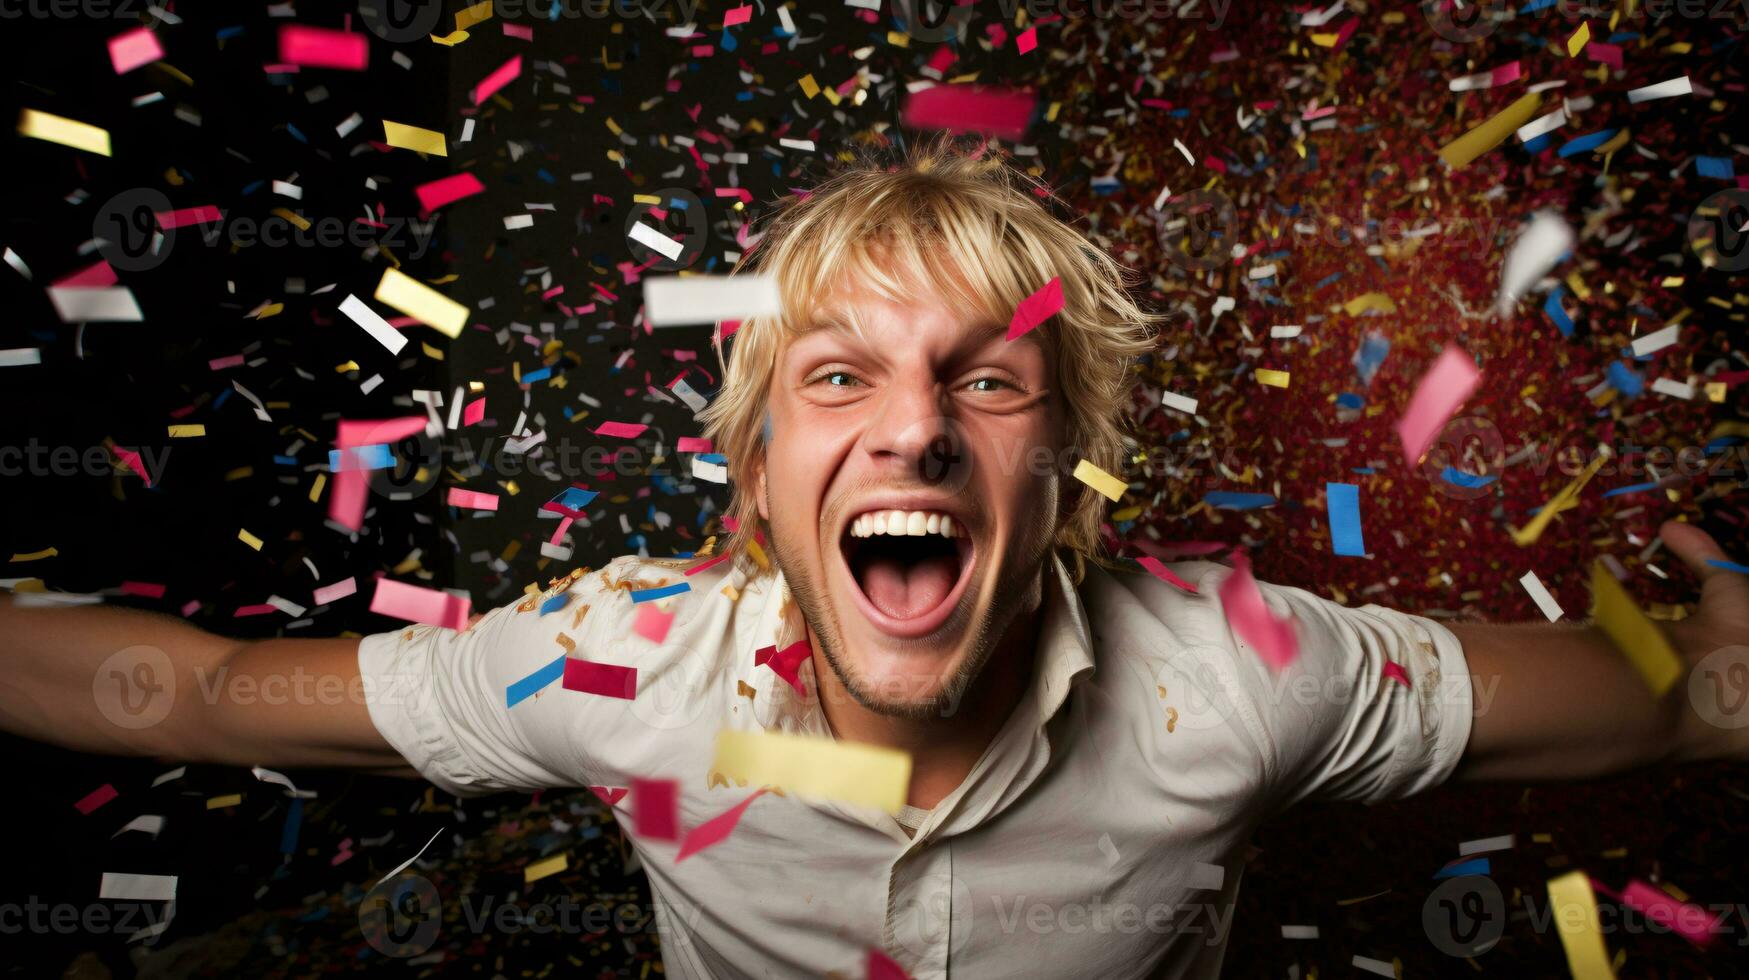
[98,276]
[1395,672]
[473,499]
[206,214]
[448,190]
[132,461]
[475,412]
[610,794]
[1026,40]
[1691,922]
[346,500]
[964,108]
[220,363]
[694,570]
[1159,570]
[317,47]
[786,663]
[1451,380]
[1037,308]
[151,590]
[693,444]
[622,430]
[1250,618]
[884,967]
[420,605]
[522,32]
[96,798]
[737,15]
[715,830]
[134,49]
[505,74]
[652,623]
[607,680]
[656,808]
[339,590]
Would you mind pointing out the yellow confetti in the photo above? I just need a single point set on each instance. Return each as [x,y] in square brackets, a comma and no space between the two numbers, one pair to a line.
[187,431]
[316,488]
[451,39]
[479,13]
[1369,301]
[1277,379]
[1568,496]
[846,772]
[413,138]
[251,540]
[1580,38]
[421,302]
[36,555]
[220,802]
[1100,480]
[543,869]
[1632,633]
[1491,133]
[810,88]
[1715,391]
[67,132]
[1574,909]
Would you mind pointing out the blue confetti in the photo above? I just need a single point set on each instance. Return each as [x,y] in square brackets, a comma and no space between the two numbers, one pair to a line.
[524,689]
[1729,566]
[1719,167]
[1590,141]
[1475,866]
[1237,501]
[645,595]
[1457,477]
[1342,500]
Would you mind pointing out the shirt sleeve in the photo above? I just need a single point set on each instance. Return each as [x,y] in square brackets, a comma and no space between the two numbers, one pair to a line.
[1377,706]
[484,710]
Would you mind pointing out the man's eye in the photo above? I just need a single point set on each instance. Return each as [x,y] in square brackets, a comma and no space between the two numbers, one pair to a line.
[988,384]
[840,379]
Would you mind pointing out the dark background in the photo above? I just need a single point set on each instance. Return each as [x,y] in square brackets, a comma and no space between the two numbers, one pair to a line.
[244,906]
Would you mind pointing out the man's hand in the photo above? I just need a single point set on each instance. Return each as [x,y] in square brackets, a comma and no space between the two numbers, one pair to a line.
[1559,701]
[1714,642]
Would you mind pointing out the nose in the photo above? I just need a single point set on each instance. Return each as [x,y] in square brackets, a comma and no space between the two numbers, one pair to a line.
[910,435]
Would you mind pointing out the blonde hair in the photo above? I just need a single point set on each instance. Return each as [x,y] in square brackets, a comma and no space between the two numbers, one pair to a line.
[974,231]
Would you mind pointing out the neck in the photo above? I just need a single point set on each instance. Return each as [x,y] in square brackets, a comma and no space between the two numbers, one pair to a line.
[943,748]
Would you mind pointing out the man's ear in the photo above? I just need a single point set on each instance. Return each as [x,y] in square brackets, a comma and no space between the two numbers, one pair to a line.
[759,488]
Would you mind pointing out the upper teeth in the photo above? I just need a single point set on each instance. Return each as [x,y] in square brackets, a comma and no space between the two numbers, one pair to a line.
[905,522]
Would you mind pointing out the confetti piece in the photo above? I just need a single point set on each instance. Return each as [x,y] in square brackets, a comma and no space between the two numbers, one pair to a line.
[339,590]
[1395,671]
[96,798]
[651,238]
[524,688]
[646,595]
[1178,403]
[1100,480]
[1574,909]
[1037,308]
[1159,570]
[134,49]
[502,76]
[1437,397]
[1272,378]
[1655,341]
[1342,502]
[606,680]
[475,412]
[1566,498]
[1233,500]
[421,302]
[671,301]
[448,190]
[656,808]
[189,431]
[413,138]
[249,539]
[137,887]
[737,15]
[472,499]
[367,318]
[1539,247]
[67,132]
[21,356]
[715,830]
[315,47]
[1663,90]
[1299,932]
[844,772]
[1274,639]
[1369,301]
[1576,43]
[652,623]
[1692,922]
[1461,151]
[621,430]
[420,605]
[1644,644]
[1729,566]
[544,869]
[786,663]
[1540,593]
[965,109]
[111,305]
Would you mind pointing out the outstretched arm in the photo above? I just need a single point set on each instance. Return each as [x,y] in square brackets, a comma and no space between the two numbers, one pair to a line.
[124,682]
[1556,702]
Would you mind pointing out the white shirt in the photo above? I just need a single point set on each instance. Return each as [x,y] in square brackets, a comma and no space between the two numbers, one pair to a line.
[1099,834]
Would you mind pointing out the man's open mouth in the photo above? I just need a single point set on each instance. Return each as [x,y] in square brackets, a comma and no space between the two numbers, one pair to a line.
[910,567]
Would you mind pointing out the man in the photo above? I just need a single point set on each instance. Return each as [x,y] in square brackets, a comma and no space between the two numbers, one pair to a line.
[1090,747]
